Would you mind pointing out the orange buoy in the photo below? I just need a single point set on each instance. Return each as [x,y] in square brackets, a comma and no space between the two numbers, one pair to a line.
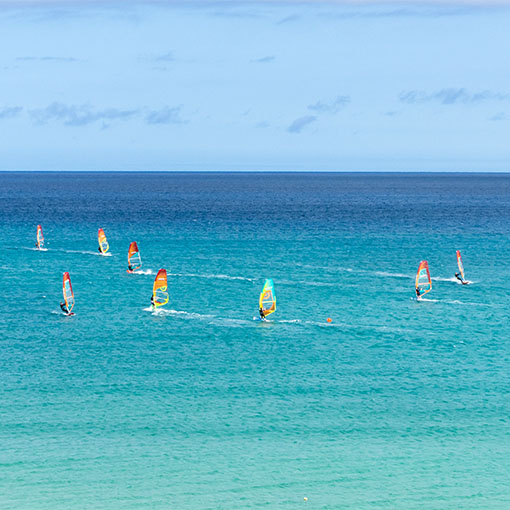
[329,319]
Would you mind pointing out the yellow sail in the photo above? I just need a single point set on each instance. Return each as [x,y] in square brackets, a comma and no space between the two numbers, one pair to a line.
[267,299]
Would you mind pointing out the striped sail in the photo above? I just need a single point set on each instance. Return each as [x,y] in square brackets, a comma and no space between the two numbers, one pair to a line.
[423,282]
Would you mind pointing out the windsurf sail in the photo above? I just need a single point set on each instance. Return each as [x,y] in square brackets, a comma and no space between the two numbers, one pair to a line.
[103,243]
[159,289]
[267,299]
[460,264]
[67,290]
[134,259]
[423,282]
[40,237]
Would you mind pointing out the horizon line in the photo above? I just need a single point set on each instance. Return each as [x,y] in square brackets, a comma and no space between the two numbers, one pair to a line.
[428,172]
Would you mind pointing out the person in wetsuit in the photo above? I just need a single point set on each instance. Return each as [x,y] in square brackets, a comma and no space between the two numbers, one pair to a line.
[262,315]
[63,307]
[417,292]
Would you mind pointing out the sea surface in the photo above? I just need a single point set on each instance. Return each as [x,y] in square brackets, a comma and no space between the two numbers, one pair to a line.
[395,404]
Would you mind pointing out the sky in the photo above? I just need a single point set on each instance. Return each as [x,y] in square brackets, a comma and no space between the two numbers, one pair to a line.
[256,85]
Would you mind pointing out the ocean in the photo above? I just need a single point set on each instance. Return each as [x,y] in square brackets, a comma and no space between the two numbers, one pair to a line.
[395,404]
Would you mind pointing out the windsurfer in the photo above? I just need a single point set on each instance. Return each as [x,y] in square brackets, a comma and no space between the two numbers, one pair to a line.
[262,315]
[417,292]
[40,238]
[457,275]
[63,307]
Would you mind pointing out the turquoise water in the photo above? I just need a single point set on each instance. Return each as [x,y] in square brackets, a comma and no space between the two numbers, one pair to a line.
[394,405]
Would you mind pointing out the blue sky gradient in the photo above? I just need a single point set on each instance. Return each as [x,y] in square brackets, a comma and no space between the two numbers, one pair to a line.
[255,86]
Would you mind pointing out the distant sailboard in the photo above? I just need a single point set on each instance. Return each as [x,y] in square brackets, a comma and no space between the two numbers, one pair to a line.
[40,238]
[423,283]
[103,243]
[267,300]
[134,259]
[160,290]
[462,278]
[67,291]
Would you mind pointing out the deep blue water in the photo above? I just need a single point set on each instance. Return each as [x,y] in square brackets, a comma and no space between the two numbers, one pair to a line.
[395,404]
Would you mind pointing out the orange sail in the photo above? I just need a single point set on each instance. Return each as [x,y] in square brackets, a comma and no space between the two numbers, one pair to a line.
[134,259]
[423,282]
[460,264]
[159,289]
[40,237]
[103,243]
[67,291]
